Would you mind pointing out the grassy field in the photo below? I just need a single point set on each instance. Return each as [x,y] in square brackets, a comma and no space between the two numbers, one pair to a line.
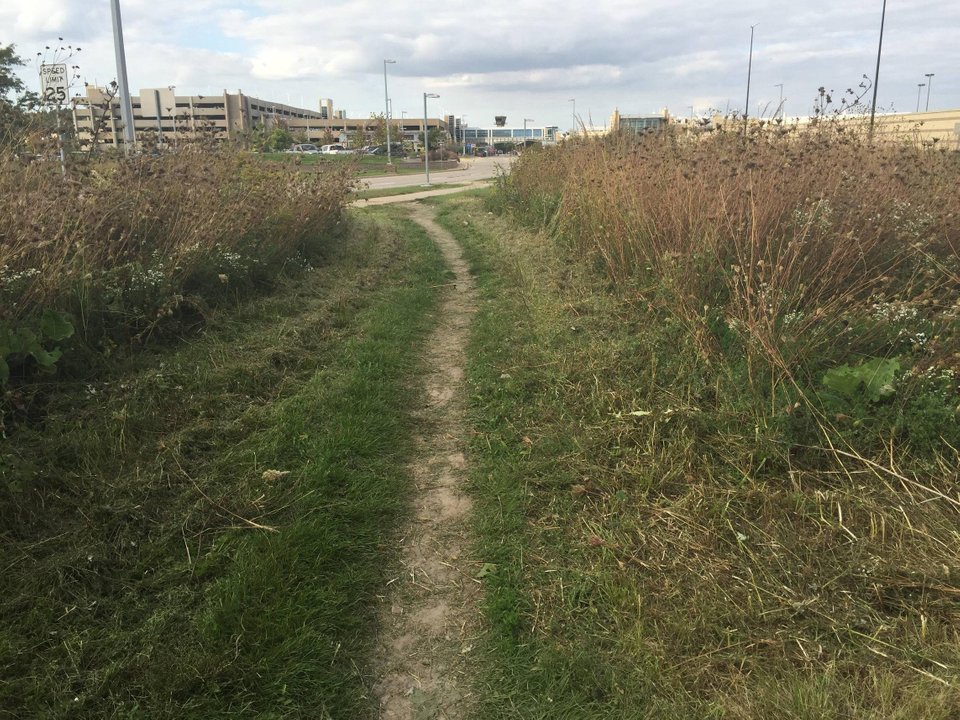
[668,541]
[714,399]
[200,530]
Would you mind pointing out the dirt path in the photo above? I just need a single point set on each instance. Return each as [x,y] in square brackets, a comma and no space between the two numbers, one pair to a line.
[430,619]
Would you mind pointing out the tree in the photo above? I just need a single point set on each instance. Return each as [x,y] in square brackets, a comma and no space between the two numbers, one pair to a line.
[378,127]
[328,138]
[14,120]
[436,137]
[279,139]
[358,138]
[9,82]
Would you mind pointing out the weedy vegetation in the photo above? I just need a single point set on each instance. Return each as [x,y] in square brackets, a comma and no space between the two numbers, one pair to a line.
[128,249]
[200,529]
[715,397]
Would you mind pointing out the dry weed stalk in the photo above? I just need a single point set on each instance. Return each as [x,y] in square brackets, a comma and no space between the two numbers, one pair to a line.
[132,236]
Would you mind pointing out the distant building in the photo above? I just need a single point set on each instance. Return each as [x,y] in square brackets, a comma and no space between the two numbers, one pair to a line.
[638,123]
[226,116]
[940,127]
[937,128]
[546,135]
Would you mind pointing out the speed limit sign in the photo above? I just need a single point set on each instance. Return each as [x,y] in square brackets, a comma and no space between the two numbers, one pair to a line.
[54,86]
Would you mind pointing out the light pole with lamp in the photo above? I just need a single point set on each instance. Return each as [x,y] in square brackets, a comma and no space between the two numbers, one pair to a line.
[929,77]
[574,115]
[525,121]
[780,107]
[426,136]
[386,105]
[463,134]
[920,87]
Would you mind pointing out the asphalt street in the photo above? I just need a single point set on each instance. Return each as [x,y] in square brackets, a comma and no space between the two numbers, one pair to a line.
[470,170]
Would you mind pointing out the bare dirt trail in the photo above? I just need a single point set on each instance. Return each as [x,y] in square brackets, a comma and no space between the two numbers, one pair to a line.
[430,621]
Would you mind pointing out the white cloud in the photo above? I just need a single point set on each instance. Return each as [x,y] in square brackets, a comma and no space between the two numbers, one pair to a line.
[521,59]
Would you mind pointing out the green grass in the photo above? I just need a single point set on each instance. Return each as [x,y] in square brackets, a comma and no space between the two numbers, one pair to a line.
[152,569]
[390,192]
[644,568]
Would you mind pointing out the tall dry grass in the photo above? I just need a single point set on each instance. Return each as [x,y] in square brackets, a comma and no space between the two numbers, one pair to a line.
[746,353]
[120,243]
[780,255]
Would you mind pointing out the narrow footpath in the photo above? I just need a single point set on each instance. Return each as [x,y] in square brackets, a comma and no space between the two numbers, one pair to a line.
[430,620]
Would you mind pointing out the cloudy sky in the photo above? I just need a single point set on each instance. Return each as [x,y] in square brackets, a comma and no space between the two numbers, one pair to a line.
[522,59]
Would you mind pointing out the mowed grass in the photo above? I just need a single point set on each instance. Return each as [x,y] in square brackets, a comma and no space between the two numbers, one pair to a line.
[202,532]
[641,570]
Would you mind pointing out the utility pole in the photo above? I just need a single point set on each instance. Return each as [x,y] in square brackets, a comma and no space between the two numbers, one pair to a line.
[386,106]
[426,136]
[126,106]
[574,114]
[876,75]
[929,77]
[746,109]
[920,87]
[780,106]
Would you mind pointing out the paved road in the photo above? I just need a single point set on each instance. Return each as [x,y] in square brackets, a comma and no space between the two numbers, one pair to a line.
[470,170]
[433,191]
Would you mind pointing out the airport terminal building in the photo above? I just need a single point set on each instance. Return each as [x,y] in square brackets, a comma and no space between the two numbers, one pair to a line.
[491,135]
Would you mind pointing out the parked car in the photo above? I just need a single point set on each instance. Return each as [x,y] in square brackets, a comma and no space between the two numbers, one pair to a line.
[333,150]
[306,149]
[396,150]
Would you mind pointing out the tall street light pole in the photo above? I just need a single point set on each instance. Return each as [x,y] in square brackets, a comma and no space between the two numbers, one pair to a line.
[929,77]
[780,106]
[920,87]
[525,121]
[574,115]
[126,106]
[386,106]
[876,75]
[746,110]
[463,134]
[426,136]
